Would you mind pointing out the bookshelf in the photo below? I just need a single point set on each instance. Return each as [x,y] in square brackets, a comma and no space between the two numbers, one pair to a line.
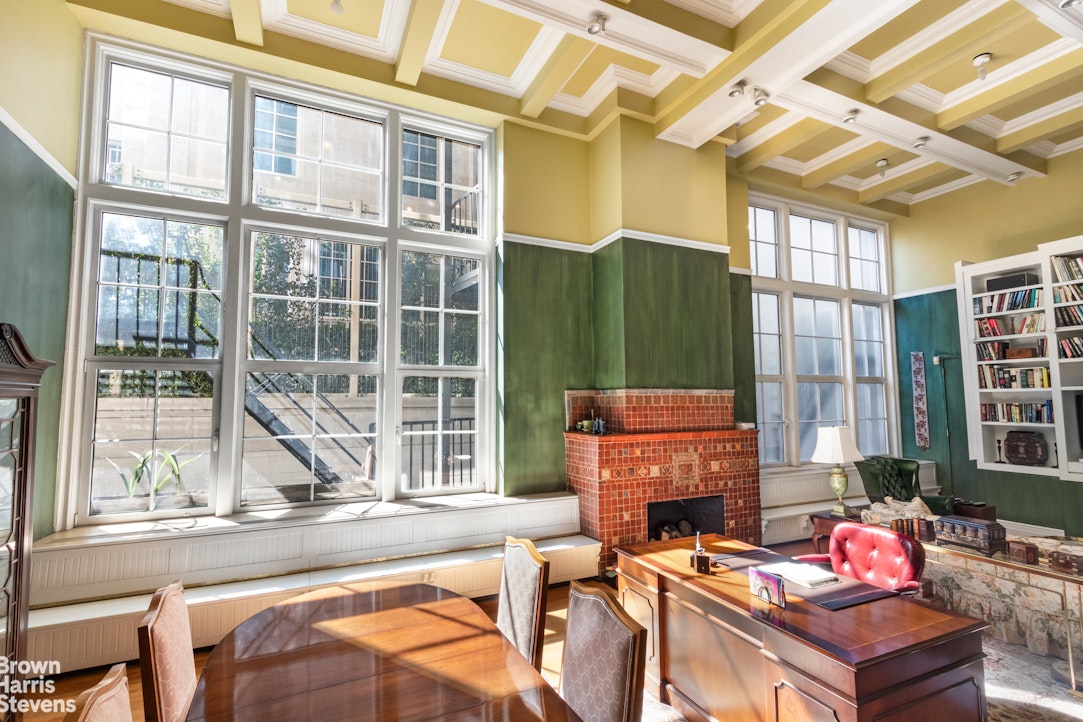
[1021,328]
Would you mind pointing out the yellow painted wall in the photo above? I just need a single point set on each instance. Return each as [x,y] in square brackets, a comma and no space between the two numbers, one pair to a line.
[737,223]
[985,221]
[605,182]
[41,53]
[671,189]
[546,185]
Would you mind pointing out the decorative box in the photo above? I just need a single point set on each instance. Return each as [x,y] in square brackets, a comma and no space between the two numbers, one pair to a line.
[1065,562]
[1027,448]
[1023,552]
[977,535]
[976,511]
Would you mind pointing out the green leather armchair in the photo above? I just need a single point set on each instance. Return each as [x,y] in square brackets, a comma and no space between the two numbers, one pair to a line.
[885,476]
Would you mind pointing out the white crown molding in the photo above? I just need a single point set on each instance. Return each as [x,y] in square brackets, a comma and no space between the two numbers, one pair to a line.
[726,12]
[1037,116]
[614,236]
[37,148]
[221,8]
[837,153]
[764,134]
[1066,147]
[1063,22]
[850,65]
[922,96]
[946,188]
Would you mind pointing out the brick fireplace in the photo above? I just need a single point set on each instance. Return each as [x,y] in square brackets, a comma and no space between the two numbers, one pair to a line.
[660,445]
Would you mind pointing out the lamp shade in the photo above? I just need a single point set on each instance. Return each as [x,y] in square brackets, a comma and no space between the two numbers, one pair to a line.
[835,445]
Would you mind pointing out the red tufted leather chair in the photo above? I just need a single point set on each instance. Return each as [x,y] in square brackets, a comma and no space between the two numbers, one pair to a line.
[874,555]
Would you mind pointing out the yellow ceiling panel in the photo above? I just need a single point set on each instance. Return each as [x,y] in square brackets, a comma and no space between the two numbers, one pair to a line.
[1006,50]
[895,158]
[936,182]
[1040,99]
[358,16]
[600,59]
[905,25]
[1071,134]
[823,143]
[488,39]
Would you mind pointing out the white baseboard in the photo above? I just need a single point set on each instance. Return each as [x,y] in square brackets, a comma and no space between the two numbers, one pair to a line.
[93,634]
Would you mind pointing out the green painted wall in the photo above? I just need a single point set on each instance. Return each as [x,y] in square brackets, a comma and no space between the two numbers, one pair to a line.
[930,323]
[545,341]
[744,361]
[671,307]
[35,235]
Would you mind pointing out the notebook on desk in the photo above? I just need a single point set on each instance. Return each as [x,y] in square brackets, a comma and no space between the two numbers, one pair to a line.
[807,575]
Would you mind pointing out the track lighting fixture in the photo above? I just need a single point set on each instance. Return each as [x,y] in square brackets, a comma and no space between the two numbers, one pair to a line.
[759,97]
[882,165]
[851,117]
[336,7]
[738,89]
[597,25]
[1013,177]
[980,61]
[921,142]
[1065,4]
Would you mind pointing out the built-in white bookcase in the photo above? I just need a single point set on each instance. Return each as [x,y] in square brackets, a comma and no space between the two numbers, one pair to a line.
[1022,354]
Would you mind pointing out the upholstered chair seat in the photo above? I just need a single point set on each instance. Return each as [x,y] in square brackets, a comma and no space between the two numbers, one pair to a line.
[884,476]
[524,586]
[601,676]
[107,701]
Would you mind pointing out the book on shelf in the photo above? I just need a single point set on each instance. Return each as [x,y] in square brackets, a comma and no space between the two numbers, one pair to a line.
[1068,316]
[1068,294]
[1040,412]
[1071,347]
[1016,300]
[1002,377]
[1066,268]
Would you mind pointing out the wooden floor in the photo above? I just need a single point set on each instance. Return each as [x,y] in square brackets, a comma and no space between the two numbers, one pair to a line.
[68,686]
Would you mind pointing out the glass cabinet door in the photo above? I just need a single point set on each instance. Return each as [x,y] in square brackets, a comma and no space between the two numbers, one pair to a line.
[10,426]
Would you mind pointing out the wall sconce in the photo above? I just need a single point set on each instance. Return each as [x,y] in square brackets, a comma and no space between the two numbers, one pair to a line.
[597,25]
[1013,177]
[882,164]
[851,117]
[980,61]
[738,89]
[759,97]
[336,7]
[921,142]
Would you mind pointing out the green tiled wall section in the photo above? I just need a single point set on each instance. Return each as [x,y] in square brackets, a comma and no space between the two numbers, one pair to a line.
[35,242]
[930,323]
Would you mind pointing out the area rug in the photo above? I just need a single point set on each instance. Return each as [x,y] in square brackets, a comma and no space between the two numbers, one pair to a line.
[1019,687]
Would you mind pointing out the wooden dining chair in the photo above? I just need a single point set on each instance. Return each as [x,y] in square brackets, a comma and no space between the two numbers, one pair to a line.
[601,676]
[520,612]
[107,701]
[167,662]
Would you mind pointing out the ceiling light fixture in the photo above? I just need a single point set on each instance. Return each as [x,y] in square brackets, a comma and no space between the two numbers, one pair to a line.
[1012,178]
[738,89]
[851,117]
[921,142]
[980,61]
[1065,4]
[597,25]
[759,97]
[336,7]
[882,164]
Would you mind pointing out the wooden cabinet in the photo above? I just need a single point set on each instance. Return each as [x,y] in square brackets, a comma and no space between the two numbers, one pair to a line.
[1021,328]
[20,376]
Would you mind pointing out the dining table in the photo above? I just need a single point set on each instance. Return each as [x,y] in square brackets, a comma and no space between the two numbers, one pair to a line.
[372,650]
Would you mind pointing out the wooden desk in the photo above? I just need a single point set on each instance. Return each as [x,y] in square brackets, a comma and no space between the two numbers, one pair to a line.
[714,650]
[372,651]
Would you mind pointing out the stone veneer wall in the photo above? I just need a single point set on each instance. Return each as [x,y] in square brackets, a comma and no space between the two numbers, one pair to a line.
[665,445]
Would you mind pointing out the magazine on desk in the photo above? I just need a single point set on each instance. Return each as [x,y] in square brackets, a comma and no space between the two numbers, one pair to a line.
[807,575]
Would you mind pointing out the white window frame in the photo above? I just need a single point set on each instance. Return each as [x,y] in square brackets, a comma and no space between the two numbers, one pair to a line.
[786,289]
[241,217]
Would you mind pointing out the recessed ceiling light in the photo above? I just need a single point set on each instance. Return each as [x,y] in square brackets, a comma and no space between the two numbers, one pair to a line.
[921,142]
[336,7]
[851,117]
[738,89]
[759,97]
[597,25]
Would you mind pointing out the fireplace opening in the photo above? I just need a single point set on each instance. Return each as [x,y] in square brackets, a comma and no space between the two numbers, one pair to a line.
[685,517]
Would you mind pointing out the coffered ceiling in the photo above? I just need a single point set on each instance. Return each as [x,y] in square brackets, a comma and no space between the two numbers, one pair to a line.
[927,117]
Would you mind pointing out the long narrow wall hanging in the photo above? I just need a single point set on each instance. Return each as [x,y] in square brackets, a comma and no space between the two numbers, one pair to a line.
[921,400]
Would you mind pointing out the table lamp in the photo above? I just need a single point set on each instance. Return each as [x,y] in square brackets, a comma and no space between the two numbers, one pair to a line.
[834,445]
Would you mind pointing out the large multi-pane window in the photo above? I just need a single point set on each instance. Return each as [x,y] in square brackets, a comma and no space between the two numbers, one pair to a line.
[821,320]
[301,323]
